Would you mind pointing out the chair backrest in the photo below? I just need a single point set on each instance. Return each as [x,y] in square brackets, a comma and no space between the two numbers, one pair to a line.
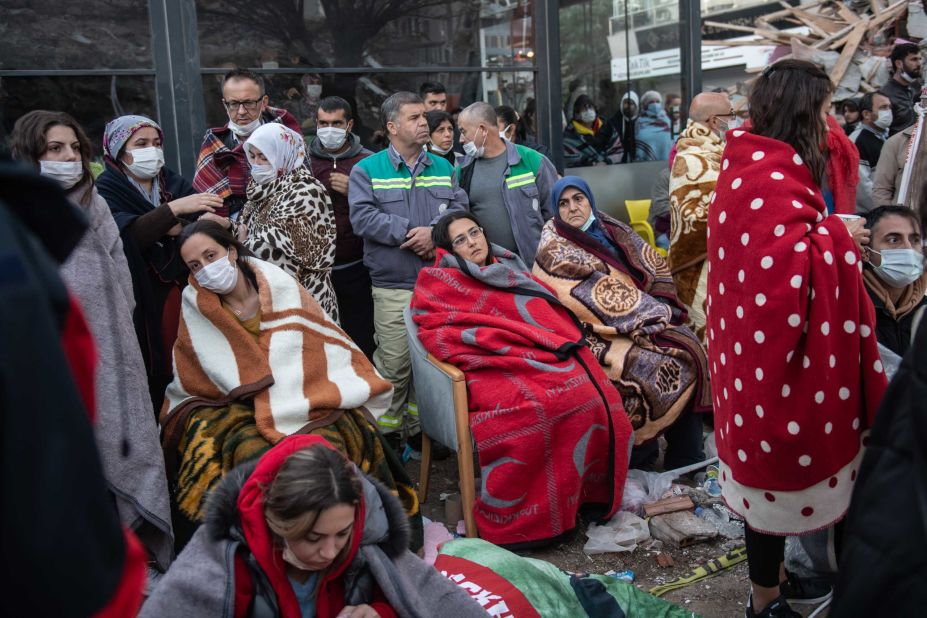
[638,210]
[434,390]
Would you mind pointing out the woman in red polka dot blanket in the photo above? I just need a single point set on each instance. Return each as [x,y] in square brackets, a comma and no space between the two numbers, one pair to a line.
[795,370]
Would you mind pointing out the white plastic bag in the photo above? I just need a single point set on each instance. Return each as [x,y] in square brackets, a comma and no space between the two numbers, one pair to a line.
[622,533]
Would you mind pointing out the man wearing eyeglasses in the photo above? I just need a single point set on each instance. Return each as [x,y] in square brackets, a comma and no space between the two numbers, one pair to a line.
[692,183]
[222,167]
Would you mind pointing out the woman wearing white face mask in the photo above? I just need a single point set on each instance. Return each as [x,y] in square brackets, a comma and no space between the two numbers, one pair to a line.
[97,274]
[257,359]
[289,214]
[894,274]
[150,204]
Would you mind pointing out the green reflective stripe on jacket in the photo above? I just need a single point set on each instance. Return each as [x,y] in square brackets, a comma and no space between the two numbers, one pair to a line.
[407,183]
[520,180]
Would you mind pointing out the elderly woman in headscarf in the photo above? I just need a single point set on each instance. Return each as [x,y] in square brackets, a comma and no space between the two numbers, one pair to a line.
[653,129]
[622,290]
[289,215]
[150,204]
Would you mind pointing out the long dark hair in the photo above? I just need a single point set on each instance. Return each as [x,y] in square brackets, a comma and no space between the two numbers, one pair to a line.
[224,238]
[440,233]
[28,142]
[785,104]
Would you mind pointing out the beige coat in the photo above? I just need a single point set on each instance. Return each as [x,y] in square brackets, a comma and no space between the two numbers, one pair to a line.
[887,179]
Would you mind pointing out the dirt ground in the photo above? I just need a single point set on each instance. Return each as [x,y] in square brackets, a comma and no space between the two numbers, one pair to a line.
[723,596]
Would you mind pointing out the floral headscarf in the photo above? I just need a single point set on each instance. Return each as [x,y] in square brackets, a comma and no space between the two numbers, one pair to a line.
[283,147]
[118,132]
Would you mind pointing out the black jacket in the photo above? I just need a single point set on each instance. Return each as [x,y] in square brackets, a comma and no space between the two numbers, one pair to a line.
[883,558]
[63,548]
[903,99]
[894,334]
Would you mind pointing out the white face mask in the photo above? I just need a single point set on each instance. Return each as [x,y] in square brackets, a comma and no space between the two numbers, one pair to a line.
[314,91]
[439,150]
[587,115]
[67,173]
[245,130]
[884,121]
[899,266]
[908,77]
[736,123]
[220,277]
[146,162]
[332,138]
[290,558]
[471,150]
[263,174]
[502,132]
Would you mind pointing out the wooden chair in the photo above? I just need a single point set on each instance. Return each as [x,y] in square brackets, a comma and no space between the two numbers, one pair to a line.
[441,395]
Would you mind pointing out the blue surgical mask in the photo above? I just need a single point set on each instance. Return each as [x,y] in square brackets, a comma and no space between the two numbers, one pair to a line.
[588,222]
[899,267]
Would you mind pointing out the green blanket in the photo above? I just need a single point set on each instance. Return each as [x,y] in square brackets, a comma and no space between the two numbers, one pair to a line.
[508,585]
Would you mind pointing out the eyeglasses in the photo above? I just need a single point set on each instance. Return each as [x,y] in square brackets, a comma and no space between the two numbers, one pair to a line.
[472,234]
[248,105]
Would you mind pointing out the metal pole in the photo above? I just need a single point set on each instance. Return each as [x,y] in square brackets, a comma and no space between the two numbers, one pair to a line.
[690,53]
[178,82]
[547,86]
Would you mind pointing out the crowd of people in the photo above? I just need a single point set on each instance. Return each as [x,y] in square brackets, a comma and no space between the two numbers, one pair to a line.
[252,396]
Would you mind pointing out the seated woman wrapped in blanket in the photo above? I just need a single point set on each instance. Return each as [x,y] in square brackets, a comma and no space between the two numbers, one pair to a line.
[256,359]
[622,290]
[549,427]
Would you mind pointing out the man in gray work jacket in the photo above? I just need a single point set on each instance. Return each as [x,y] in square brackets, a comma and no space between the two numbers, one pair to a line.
[395,196]
[508,185]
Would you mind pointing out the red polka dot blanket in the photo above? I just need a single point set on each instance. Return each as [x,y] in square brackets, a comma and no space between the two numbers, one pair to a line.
[795,369]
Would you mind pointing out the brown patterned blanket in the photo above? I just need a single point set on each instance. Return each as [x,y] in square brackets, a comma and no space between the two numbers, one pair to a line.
[634,324]
[692,187]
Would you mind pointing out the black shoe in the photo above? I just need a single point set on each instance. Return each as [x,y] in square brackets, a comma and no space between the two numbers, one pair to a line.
[802,591]
[777,609]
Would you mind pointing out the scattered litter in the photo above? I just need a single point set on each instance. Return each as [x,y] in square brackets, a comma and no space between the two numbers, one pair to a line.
[665,560]
[711,485]
[625,576]
[669,505]
[681,529]
[721,518]
[622,533]
[709,569]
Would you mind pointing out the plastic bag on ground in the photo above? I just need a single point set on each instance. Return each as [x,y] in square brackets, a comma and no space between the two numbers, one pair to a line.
[622,533]
[642,488]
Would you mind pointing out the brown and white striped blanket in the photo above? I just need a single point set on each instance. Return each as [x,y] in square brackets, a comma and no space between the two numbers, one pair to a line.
[301,367]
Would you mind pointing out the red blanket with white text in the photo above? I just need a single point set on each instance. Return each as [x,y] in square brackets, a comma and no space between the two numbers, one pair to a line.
[795,370]
[549,427]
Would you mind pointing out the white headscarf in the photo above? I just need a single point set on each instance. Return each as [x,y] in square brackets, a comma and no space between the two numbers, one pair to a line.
[283,147]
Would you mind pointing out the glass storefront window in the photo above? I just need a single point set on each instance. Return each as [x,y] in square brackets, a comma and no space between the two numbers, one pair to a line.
[90,34]
[602,70]
[93,101]
[333,33]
